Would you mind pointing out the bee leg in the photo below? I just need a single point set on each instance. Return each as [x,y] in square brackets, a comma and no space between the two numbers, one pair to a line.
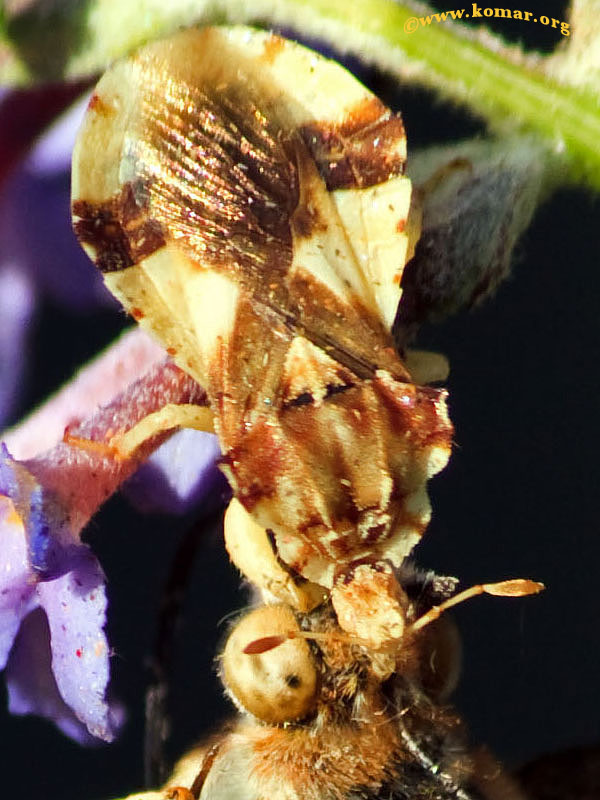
[449,782]
[179,793]
[492,780]
[183,772]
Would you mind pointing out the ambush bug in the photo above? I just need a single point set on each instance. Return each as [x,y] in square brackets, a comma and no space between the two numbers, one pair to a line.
[245,199]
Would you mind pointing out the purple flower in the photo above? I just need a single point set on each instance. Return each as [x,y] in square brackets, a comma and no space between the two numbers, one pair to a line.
[179,475]
[42,569]
[39,254]
[52,594]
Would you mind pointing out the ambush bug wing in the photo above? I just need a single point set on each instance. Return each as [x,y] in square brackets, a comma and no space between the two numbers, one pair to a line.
[245,200]
[193,157]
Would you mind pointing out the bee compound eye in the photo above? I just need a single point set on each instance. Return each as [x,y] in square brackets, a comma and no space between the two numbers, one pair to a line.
[279,685]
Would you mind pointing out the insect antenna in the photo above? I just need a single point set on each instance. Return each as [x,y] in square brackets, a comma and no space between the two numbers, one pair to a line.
[517,587]
[266,643]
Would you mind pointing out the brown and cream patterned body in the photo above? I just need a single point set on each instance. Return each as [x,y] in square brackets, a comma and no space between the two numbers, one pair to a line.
[261,234]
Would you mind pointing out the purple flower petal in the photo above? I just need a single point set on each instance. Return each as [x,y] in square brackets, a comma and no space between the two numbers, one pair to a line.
[36,235]
[16,308]
[16,586]
[181,474]
[53,152]
[51,543]
[32,688]
[44,503]
[44,565]
[75,605]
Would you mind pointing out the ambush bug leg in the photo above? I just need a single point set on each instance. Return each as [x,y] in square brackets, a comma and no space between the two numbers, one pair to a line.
[103,449]
[427,367]
[253,554]
[123,445]
[169,417]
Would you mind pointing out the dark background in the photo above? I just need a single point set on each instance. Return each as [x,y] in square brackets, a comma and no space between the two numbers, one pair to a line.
[518,499]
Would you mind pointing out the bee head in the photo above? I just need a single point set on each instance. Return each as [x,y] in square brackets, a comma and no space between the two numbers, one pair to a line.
[267,669]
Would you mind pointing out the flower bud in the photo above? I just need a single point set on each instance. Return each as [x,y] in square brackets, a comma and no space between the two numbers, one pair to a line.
[477,199]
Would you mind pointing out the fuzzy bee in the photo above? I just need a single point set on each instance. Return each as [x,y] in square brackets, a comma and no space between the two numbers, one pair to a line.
[325,718]
[260,232]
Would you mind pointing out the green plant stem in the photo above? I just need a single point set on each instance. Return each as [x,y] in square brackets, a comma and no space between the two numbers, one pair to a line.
[491,79]
[497,82]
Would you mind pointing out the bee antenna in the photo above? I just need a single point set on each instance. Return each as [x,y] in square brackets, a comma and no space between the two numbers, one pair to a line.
[517,587]
[266,643]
